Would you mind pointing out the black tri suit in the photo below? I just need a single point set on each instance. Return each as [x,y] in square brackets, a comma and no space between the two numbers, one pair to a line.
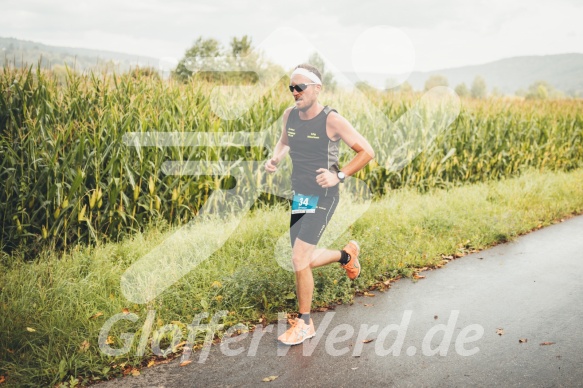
[310,150]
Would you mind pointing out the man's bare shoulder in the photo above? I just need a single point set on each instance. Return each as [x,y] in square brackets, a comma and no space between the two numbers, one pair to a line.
[336,121]
[287,112]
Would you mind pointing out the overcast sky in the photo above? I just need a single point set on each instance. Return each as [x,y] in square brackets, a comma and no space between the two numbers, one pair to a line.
[357,36]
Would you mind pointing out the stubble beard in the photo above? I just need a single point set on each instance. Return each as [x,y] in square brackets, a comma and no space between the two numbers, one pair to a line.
[305,108]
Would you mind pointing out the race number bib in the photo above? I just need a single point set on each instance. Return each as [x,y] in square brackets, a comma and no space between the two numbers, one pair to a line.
[304,203]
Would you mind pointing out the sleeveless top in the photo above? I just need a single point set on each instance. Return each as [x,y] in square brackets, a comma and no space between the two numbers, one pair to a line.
[311,149]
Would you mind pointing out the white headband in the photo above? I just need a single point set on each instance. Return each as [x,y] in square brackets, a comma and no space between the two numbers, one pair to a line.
[301,71]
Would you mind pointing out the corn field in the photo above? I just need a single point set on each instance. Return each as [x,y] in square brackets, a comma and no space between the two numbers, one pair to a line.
[69,173]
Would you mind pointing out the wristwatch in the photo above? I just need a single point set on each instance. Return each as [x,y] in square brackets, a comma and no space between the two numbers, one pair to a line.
[341,176]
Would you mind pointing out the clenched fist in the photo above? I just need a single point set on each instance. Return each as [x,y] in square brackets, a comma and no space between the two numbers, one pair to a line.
[326,178]
[271,165]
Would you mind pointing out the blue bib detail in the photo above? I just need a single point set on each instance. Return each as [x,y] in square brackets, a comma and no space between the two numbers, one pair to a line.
[304,203]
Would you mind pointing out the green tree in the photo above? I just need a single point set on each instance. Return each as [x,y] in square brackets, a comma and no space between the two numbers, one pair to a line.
[235,65]
[201,54]
[462,90]
[364,87]
[241,47]
[327,77]
[244,58]
[539,90]
[406,87]
[145,72]
[435,80]
[479,89]
[542,90]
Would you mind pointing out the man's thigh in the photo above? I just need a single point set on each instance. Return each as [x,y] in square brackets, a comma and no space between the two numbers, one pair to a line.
[309,227]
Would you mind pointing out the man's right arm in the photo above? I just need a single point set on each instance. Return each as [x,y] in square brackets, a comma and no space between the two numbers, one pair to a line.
[281,148]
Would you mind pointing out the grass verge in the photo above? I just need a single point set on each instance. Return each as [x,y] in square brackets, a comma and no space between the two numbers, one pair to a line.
[52,309]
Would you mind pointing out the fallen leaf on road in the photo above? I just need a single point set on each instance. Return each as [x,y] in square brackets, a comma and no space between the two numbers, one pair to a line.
[366,341]
[270,378]
[151,363]
[522,340]
[135,372]
[125,310]
[354,368]
[368,305]
[547,343]
[417,276]
[368,294]
[499,331]
[186,362]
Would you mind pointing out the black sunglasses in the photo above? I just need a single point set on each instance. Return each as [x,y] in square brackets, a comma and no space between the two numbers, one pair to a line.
[300,87]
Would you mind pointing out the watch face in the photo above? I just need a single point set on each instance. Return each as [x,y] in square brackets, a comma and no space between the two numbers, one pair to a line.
[341,175]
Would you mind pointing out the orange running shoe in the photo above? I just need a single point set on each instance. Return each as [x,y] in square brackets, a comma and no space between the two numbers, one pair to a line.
[352,268]
[298,332]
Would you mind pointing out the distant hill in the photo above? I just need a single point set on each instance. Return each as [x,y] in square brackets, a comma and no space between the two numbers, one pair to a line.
[16,52]
[563,71]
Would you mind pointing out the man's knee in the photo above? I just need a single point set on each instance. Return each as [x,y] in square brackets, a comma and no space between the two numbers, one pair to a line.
[300,261]
[302,254]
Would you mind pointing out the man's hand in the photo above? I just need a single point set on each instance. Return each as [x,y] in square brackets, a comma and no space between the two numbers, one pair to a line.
[326,178]
[271,165]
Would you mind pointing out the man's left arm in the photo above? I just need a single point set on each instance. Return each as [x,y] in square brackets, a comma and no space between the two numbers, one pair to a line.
[338,127]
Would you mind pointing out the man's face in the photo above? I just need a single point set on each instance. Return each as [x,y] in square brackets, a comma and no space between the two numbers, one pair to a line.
[307,98]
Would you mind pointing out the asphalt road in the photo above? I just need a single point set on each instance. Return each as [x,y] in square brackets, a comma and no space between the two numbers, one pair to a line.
[460,326]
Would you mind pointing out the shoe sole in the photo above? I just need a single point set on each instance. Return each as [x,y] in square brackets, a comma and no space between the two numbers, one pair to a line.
[297,343]
[357,253]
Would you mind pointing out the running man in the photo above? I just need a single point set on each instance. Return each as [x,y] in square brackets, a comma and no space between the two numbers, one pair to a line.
[311,134]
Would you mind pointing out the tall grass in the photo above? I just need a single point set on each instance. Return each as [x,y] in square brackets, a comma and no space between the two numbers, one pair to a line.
[69,177]
[52,309]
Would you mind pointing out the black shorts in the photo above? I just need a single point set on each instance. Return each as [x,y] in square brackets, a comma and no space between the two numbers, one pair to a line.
[309,227]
